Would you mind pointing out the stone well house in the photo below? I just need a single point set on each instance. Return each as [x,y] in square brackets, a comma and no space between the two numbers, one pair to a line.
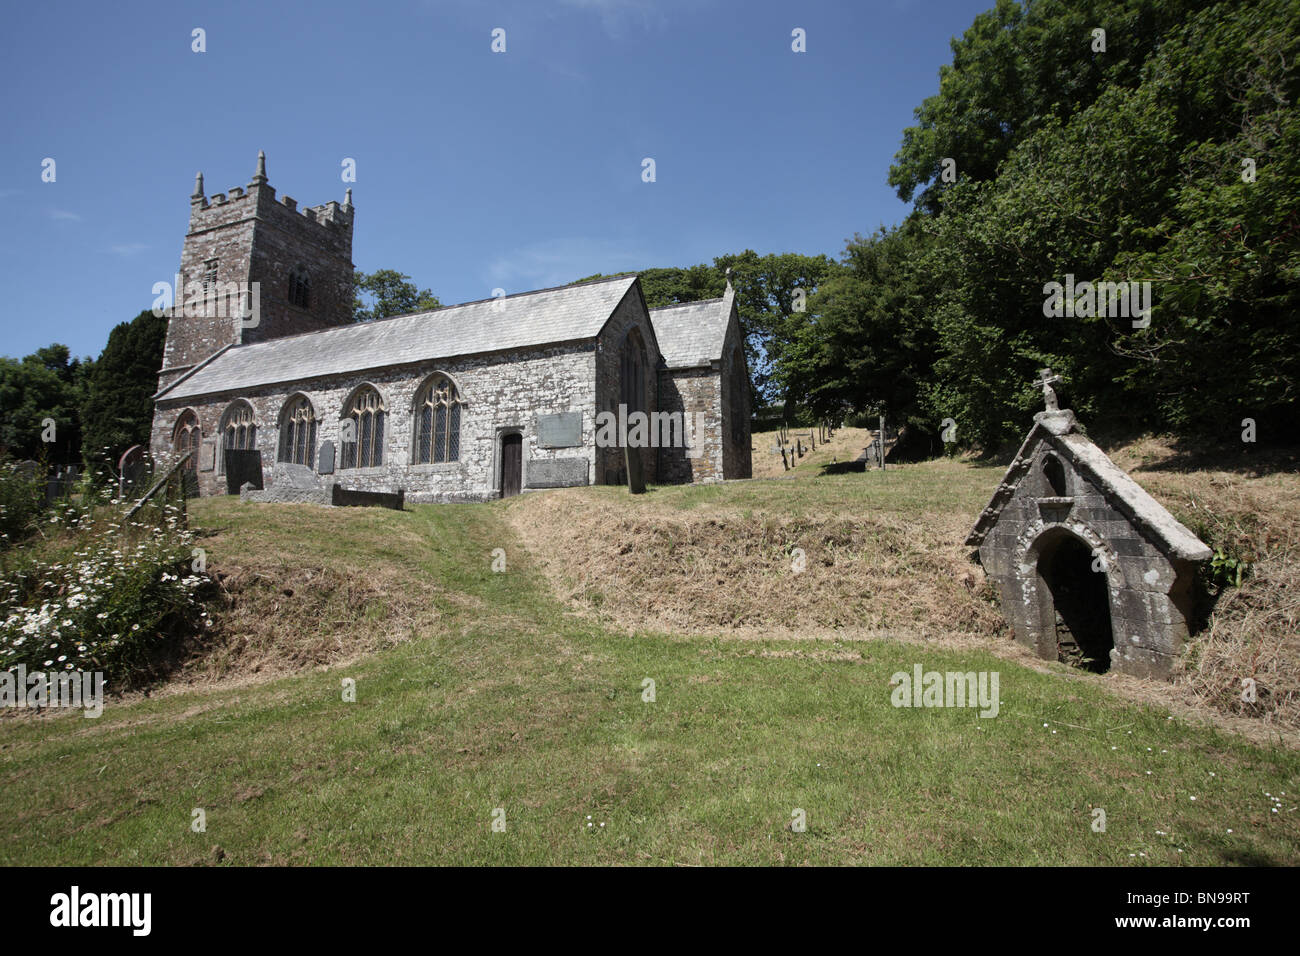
[463,403]
[1090,567]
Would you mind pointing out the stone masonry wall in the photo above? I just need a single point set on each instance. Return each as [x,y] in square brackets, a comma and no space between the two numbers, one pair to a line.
[630,313]
[737,458]
[1149,594]
[254,238]
[504,392]
[689,391]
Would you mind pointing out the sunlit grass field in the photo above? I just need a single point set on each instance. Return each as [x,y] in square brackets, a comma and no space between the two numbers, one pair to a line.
[504,705]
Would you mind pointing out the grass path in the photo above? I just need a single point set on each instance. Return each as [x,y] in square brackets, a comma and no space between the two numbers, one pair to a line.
[516,704]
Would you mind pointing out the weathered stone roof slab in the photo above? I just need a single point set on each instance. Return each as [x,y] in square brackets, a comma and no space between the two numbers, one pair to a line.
[568,313]
[692,334]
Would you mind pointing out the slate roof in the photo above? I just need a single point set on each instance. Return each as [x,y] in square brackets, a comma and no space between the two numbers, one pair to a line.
[564,314]
[1130,497]
[692,334]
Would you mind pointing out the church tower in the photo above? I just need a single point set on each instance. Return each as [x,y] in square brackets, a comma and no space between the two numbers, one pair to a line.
[254,268]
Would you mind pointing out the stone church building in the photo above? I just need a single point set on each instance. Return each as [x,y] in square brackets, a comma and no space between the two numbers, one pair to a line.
[463,403]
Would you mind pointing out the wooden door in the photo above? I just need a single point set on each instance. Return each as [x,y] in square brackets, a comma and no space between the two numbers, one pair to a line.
[512,464]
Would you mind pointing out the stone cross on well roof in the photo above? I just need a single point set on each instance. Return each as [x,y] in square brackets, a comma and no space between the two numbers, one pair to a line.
[1046,379]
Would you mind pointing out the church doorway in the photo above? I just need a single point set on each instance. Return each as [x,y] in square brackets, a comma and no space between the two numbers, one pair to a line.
[512,464]
[1079,609]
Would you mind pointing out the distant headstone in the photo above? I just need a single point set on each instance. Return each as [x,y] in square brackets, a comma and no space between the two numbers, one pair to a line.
[326,458]
[208,455]
[27,470]
[635,477]
[130,470]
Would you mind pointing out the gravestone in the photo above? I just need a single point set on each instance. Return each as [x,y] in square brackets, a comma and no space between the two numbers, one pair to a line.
[208,455]
[635,477]
[327,458]
[243,466]
[131,471]
[557,472]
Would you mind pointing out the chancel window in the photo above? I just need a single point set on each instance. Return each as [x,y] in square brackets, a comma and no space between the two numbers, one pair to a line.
[363,430]
[438,409]
[298,433]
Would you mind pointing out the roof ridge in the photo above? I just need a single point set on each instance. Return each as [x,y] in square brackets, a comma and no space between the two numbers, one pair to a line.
[682,305]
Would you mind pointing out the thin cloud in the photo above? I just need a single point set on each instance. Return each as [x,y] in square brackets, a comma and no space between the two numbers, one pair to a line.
[128,248]
[63,214]
[560,261]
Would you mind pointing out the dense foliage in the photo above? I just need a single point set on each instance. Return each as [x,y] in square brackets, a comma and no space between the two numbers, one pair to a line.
[117,411]
[1123,165]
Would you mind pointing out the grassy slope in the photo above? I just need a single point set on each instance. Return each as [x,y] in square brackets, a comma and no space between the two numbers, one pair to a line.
[512,701]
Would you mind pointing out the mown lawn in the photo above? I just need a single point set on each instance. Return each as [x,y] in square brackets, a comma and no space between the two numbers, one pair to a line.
[515,703]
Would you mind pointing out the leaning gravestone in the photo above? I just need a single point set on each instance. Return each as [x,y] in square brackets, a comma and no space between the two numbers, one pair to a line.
[635,478]
[26,470]
[130,471]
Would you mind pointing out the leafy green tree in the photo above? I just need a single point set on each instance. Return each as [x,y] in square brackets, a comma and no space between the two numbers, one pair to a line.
[389,293]
[117,410]
[46,385]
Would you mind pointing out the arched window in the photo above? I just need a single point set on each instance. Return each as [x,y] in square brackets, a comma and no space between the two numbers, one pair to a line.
[298,432]
[363,442]
[238,430]
[631,370]
[437,421]
[1054,473]
[299,288]
[186,437]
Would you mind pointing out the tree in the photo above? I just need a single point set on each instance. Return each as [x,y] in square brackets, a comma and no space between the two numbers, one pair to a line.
[391,293]
[43,388]
[117,409]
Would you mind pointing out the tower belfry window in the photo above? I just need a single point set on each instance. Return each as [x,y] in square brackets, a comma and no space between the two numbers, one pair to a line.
[300,289]
[209,274]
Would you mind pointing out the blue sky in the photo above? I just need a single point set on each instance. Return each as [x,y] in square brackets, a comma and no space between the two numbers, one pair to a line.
[474,170]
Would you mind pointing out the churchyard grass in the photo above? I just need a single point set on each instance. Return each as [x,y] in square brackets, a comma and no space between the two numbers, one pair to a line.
[502,696]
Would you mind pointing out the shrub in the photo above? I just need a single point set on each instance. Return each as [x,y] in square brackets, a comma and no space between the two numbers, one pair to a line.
[102,597]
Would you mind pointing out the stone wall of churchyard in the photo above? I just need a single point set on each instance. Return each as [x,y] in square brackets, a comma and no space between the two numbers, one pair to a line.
[737,458]
[689,391]
[1149,594]
[504,393]
[630,313]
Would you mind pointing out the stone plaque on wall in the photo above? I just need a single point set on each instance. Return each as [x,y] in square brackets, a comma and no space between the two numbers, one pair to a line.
[562,430]
[557,472]
[208,455]
[326,458]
